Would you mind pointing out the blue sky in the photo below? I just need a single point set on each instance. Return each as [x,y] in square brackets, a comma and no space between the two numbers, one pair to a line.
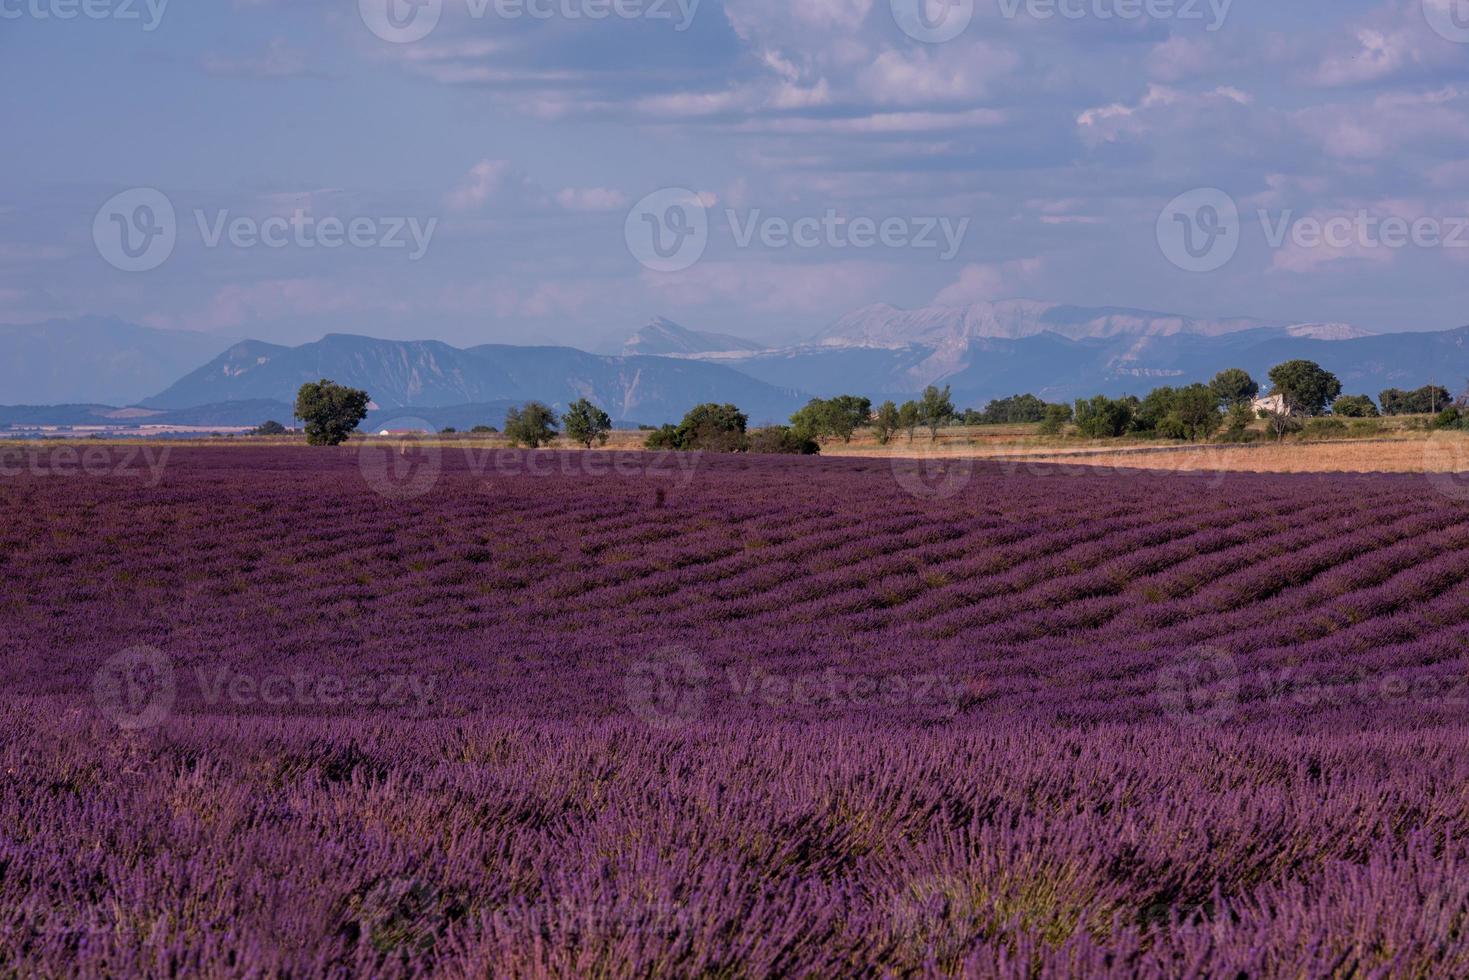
[521,144]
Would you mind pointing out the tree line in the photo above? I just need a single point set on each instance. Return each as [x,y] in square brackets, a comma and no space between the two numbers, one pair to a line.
[1300,389]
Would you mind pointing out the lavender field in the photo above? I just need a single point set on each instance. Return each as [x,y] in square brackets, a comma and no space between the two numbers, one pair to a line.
[289,712]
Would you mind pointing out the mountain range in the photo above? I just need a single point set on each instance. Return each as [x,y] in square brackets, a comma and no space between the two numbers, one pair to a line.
[427,374]
[983,351]
[96,359]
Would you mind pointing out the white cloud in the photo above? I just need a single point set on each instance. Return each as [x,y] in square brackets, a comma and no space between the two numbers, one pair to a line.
[591,199]
[987,282]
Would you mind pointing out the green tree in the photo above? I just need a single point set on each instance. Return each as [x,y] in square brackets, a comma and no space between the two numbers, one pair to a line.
[936,409]
[1428,400]
[716,428]
[1011,411]
[847,414]
[1057,416]
[837,418]
[484,429]
[587,424]
[1234,387]
[1196,412]
[886,423]
[270,428]
[1237,423]
[1354,407]
[331,411]
[1104,418]
[1153,409]
[1306,386]
[910,416]
[533,425]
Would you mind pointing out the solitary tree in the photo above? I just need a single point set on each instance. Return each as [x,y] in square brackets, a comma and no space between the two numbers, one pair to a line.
[587,424]
[533,425]
[331,411]
[936,408]
[1306,386]
[1233,387]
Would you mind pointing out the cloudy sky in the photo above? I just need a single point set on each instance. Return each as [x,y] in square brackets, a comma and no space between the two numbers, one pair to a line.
[496,170]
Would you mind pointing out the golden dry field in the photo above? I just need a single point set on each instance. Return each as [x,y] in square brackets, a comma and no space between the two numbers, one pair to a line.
[1394,450]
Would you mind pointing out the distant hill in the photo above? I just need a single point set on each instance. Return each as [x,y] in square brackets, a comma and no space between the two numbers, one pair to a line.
[664,337]
[430,374]
[96,359]
[1060,368]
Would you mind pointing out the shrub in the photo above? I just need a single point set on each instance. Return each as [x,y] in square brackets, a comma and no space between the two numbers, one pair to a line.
[1354,407]
[716,428]
[1325,429]
[269,428]
[664,438]
[782,439]
[1449,418]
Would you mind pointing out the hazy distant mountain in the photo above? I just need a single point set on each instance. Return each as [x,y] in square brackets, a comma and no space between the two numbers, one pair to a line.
[1056,366]
[399,374]
[663,336]
[96,359]
[888,326]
